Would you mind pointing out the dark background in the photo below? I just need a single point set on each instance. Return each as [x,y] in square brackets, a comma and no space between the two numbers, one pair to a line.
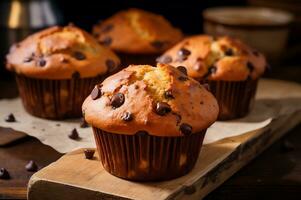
[184,14]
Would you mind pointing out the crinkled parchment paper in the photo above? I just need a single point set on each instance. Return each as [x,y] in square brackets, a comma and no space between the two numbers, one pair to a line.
[273,99]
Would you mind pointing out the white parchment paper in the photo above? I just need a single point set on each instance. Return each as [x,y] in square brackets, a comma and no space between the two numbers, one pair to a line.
[273,99]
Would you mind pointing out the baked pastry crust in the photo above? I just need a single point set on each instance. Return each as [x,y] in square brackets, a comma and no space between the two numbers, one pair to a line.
[222,58]
[137,31]
[59,53]
[127,103]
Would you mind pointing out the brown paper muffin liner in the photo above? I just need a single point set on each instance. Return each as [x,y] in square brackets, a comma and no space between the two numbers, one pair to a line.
[146,157]
[55,99]
[137,59]
[235,98]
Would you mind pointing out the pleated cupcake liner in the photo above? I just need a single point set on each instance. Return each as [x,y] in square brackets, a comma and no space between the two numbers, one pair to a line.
[136,59]
[146,157]
[55,99]
[235,98]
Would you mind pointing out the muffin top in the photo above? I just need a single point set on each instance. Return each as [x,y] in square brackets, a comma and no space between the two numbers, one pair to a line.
[60,53]
[136,31]
[222,58]
[159,101]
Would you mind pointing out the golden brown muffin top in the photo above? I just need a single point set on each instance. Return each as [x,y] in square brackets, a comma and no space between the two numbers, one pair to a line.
[221,58]
[59,53]
[137,31]
[160,101]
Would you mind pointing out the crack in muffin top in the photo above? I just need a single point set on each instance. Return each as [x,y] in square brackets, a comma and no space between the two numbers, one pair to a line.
[137,31]
[59,52]
[161,101]
[222,58]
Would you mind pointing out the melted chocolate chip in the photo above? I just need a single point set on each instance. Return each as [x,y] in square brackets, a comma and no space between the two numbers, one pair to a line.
[165,59]
[189,189]
[250,66]
[207,86]
[107,41]
[79,55]
[106,28]
[211,70]
[182,69]
[28,59]
[76,75]
[162,108]
[10,118]
[142,133]
[83,123]
[31,166]
[41,62]
[185,129]
[4,174]
[117,100]
[168,94]
[127,116]
[96,93]
[229,52]
[157,44]
[111,65]
[74,134]
[183,52]
[89,153]
[182,78]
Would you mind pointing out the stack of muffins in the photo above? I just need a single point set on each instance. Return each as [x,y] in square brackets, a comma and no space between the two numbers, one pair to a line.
[149,119]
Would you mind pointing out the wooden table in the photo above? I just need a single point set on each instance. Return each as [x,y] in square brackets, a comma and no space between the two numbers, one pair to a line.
[275,174]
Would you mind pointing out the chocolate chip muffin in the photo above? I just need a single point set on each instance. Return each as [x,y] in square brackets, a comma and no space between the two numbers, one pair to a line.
[231,69]
[149,122]
[137,36]
[56,68]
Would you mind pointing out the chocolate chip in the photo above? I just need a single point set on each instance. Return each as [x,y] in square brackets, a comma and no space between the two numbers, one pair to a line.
[211,70]
[111,65]
[83,123]
[106,28]
[168,94]
[89,153]
[28,59]
[185,129]
[107,41]
[76,75]
[287,146]
[74,134]
[182,78]
[162,108]
[165,59]
[4,174]
[10,118]
[41,62]
[207,86]
[96,93]
[142,133]
[117,100]
[229,52]
[79,55]
[157,44]
[31,166]
[250,66]
[182,69]
[127,116]
[183,52]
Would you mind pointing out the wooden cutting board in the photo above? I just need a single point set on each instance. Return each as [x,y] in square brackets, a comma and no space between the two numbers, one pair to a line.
[72,177]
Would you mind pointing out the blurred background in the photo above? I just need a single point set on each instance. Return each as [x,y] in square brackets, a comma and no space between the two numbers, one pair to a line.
[272,26]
